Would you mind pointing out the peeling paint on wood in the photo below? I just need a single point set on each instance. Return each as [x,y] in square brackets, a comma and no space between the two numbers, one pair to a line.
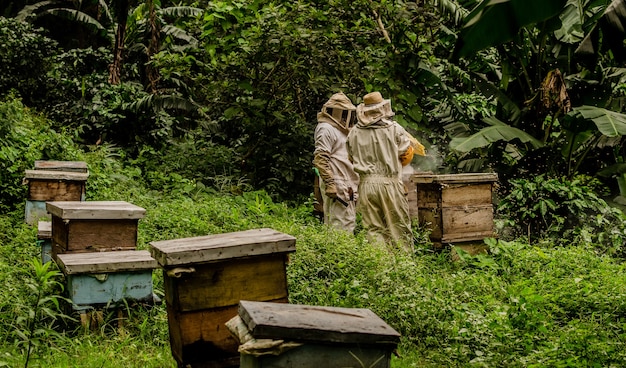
[108,277]
[331,337]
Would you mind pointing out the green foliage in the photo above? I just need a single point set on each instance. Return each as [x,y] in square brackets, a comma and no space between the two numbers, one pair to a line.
[488,24]
[567,210]
[38,315]
[194,159]
[27,138]
[25,54]
[85,21]
[516,306]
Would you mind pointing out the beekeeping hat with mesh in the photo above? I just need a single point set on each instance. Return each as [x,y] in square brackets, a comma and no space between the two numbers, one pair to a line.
[338,110]
[374,108]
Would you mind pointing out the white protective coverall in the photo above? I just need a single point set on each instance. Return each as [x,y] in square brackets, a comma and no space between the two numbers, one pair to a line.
[378,148]
[339,184]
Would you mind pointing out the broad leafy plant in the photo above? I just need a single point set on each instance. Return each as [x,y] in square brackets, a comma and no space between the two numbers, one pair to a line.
[543,90]
[564,211]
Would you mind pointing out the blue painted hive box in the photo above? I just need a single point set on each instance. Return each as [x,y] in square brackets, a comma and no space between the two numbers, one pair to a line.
[307,336]
[44,240]
[104,278]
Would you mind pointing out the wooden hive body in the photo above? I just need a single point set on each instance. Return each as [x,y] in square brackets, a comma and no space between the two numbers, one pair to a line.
[330,337]
[205,278]
[457,208]
[108,278]
[93,226]
[53,181]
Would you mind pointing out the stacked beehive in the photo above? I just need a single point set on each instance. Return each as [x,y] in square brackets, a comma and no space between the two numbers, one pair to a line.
[205,277]
[94,243]
[52,181]
[457,208]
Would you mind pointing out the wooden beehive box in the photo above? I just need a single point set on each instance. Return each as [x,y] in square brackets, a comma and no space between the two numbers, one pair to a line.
[52,183]
[458,208]
[44,240]
[94,226]
[411,193]
[107,278]
[331,337]
[205,277]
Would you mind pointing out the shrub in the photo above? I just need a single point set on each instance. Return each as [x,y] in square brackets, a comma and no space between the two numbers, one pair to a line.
[564,211]
[26,138]
[25,55]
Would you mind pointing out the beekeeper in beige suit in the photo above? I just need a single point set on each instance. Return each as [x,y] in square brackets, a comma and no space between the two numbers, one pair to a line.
[339,182]
[379,147]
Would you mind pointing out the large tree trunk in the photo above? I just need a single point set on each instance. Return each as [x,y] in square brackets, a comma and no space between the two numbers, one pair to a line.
[121,14]
[153,47]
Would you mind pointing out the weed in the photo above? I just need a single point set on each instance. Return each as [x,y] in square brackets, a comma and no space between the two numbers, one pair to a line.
[35,325]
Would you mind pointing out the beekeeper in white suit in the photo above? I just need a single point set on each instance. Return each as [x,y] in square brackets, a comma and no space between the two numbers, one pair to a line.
[339,182]
[379,147]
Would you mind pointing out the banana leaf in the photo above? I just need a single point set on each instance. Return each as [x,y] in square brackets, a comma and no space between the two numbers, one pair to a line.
[612,25]
[494,22]
[609,123]
[497,131]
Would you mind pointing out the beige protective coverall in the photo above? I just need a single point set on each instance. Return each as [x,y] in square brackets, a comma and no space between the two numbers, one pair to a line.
[339,184]
[377,146]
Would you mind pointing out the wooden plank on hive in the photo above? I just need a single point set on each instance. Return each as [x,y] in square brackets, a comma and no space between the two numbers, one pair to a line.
[55,190]
[106,262]
[454,178]
[466,195]
[316,323]
[95,235]
[76,166]
[55,175]
[463,220]
[44,229]
[95,210]
[217,247]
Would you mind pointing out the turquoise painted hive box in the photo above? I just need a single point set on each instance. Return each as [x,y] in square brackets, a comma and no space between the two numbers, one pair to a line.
[44,240]
[105,278]
[276,335]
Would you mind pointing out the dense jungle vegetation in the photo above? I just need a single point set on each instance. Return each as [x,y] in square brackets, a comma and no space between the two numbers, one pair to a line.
[202,112]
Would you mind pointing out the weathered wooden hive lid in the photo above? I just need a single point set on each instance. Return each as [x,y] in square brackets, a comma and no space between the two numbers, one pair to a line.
[210,248]
[106,262]
[55,175]
[44,229]
[426,178]
[95,210]
[76,166]
[280,321]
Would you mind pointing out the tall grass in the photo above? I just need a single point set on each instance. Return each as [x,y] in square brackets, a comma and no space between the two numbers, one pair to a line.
[523,305]
[519,306]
